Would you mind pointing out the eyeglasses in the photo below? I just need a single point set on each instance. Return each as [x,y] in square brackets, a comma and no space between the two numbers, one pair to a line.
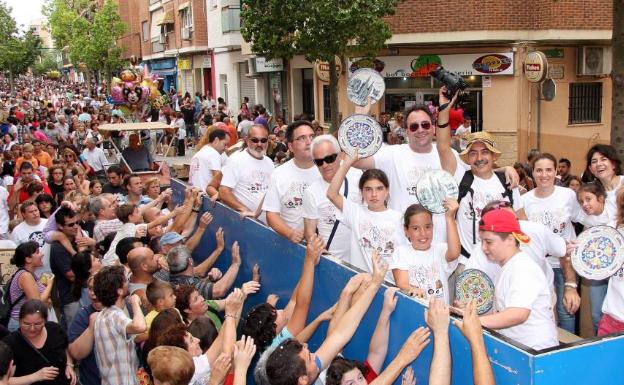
[259,140]
[424,125]
[36,325]
[329,159]
[304,138]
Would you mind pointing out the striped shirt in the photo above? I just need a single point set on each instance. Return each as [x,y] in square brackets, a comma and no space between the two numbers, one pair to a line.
[115,350]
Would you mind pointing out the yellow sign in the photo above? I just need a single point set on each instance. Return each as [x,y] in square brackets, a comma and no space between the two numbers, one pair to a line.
[184,64]
[322,69]
[6,268]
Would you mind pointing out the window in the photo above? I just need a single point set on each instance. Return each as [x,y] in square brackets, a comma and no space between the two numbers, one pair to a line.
[146,30]
[585,104]
[326,104]
[230,18]
[187,18]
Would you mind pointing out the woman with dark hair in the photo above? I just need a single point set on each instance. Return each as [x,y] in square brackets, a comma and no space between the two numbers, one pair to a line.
[83,264]
[192,305]
[46,205]
[40,348]
[55,181]
[605,166]
[24,284]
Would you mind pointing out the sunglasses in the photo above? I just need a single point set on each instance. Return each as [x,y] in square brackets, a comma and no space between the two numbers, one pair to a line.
[259,140]
[329,159]
[424,125]
[71,224]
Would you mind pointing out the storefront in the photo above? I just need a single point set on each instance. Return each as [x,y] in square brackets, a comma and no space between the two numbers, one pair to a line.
[272,84]
[185,75]
[167,70]
[408,80]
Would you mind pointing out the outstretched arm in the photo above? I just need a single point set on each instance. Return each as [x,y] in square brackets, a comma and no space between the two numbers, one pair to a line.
[378,347]
[443,134]
[333,191]
[437,317]
[471,329]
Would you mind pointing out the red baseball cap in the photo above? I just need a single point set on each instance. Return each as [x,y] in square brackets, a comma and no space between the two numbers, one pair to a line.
[503,221]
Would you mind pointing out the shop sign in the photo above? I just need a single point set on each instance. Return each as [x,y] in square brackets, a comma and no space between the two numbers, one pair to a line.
[490,64]
[554,53]
[184,64]
[322,69]
[535,67]
[556,71]
[207,62]
[273,65]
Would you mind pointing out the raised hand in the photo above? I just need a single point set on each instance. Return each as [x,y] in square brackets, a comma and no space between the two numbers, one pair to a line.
[244,351]
[205,220]
[415,344]
[220,240]
[236,258]
[379,268]
[250,287]
[437,316]
[408,377]
[390,299]
[314,249]
[234,301]
[471,325]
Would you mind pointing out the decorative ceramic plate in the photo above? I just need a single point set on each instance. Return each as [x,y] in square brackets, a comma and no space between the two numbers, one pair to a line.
[363,83]
[600,252]
[476,285]
[434,187]
[360,133]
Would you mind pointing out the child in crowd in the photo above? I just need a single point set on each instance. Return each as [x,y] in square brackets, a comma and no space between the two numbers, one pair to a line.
[374,226]
[612,320]
[95,187]
[420,267]
[591,197]
[161,296]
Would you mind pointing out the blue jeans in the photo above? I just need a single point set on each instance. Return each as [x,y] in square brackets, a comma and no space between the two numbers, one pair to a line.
[597,293]
[567,321]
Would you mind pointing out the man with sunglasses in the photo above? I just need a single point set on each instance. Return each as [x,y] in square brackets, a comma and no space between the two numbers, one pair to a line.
[247,174]
[404,164]
[284,200]
[319,214]
[60,262]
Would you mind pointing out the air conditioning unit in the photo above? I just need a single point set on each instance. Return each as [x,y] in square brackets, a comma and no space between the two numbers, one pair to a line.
[251,69]
[186,33]
[593,61]
[162,39]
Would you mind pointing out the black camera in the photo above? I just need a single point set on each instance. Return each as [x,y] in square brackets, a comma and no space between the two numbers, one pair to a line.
[451,80]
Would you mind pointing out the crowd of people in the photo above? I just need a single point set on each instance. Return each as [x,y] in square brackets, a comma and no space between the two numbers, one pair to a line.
[106,289]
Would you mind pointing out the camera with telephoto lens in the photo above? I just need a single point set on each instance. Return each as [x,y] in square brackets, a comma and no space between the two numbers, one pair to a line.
[451,80]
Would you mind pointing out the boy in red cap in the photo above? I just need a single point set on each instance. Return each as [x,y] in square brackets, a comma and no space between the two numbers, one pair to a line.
[523,302]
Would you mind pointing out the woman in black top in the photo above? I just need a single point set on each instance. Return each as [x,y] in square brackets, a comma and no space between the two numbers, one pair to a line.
[55,181]
[40,348]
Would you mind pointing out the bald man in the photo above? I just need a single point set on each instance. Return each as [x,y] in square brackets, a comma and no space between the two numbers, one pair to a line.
[143,263]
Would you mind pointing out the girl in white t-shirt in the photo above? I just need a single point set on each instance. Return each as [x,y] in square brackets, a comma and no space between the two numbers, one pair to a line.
[420,267]
[612,320]
[374,227]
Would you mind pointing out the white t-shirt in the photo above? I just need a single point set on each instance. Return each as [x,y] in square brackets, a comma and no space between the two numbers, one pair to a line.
[372,230]
[555,212]
[202,372]
[427,270]
[248,178]
[614,300]
[285,195]
[603,218]
[95,158]
[24,232]
[612,195]
[4,210]
[126,230]
[522,284]
[484,192]
[203,163]
[317,206]
[404,167]
[543,242]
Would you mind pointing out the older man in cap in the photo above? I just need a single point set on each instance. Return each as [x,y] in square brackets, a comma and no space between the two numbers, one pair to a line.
[479,185]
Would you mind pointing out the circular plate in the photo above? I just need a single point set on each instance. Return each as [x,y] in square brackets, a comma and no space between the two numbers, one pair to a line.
[360,133]
[600,252]
[363,83]
[476,285]
[434,187]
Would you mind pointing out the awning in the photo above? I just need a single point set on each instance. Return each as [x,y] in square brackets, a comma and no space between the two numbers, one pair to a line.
[165,72]
[184,6]
[166,18]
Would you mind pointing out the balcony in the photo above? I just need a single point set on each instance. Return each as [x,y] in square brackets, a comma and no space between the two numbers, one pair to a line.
[230,18]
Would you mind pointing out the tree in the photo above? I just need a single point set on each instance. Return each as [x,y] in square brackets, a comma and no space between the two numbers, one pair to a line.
[318,29]
[19,51]
[617,76]
[90,33]
[47,62]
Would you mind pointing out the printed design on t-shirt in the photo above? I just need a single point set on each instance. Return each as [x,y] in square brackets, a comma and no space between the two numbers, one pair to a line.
[426,278]
[554,219]
[413,176]
[373,237]
[479,200]
[293,198]
[327,214]
[37,236]
[258,182]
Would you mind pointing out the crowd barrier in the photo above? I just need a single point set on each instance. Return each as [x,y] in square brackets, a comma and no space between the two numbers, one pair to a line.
[589,361]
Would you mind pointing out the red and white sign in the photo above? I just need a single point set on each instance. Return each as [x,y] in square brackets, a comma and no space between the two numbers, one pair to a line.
[535,67]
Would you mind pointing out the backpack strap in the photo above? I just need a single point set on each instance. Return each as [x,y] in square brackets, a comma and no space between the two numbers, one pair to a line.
[465,187]
[508,193]
[337,222]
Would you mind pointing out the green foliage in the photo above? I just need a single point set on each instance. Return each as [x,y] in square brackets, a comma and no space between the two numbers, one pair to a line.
[19,51]
[89,33]
[318,29]
[46,62]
